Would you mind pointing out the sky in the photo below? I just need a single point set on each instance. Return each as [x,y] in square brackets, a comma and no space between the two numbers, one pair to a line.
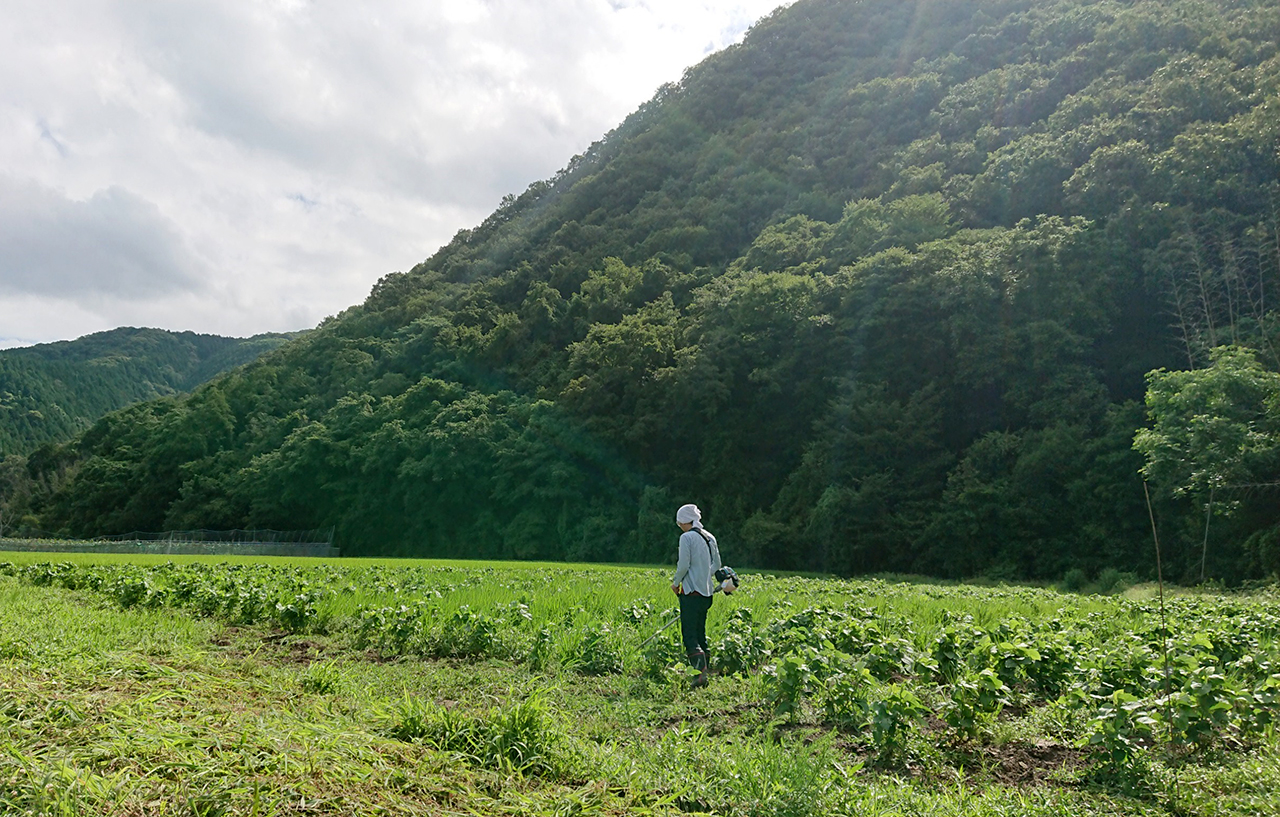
[244,166]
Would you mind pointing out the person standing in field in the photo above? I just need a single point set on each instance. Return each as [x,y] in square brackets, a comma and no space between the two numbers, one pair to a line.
[695,584]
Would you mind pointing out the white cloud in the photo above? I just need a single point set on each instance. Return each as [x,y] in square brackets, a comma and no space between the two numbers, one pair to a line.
[115,244]
[244,167]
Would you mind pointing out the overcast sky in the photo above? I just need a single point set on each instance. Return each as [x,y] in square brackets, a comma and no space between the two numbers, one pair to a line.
[243,166]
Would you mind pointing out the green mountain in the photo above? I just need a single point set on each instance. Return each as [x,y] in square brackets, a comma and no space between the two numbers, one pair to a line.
[52,392]
[878,288]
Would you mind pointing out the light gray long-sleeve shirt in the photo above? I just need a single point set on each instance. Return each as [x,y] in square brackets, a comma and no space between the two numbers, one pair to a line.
[698,563]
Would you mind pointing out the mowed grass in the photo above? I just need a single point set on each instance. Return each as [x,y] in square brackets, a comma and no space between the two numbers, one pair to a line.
[107,709]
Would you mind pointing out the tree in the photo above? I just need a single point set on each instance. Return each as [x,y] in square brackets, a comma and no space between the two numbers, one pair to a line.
[15,490]
[1213,429]
[1215,440]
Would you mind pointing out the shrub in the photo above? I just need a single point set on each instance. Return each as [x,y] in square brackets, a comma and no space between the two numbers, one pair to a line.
[1112,581]
[1074,580]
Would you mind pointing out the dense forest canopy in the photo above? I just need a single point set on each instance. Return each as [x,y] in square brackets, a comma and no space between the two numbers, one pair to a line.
[879,289]
[53,391]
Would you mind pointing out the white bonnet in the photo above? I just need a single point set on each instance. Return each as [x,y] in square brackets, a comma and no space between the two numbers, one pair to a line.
[689,513]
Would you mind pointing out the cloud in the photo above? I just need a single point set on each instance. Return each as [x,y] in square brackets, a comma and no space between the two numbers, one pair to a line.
[276,158]
[115,243]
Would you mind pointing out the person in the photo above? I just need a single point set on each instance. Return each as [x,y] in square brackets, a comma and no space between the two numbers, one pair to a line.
[694,583]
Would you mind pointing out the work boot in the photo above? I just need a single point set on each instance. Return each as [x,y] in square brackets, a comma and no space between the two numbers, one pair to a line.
[698,660]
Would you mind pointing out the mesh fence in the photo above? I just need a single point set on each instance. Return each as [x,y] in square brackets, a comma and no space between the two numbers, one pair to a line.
[259,542]
[322,536]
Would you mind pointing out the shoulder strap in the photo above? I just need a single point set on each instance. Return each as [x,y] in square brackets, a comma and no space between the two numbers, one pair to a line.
[705,538]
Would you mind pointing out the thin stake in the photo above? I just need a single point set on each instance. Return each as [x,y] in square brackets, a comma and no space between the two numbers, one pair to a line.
[1164,628]
[1204,552]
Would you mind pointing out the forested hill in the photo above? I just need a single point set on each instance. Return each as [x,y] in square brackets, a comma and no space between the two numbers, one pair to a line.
[51,392]
[878,289]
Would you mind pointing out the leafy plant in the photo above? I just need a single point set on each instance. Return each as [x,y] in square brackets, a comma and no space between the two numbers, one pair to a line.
[951,648]
[893,711]
[1202,710]
[975,702]
[790,680]
[298,615]
[845,698]
[397,630]
[466,634]
[740,650]
[1120,733]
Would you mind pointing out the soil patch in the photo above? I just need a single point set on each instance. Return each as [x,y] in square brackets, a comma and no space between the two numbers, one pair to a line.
[1031,764]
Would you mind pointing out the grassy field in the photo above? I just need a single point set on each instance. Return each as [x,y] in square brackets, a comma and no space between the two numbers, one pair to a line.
[188,686]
